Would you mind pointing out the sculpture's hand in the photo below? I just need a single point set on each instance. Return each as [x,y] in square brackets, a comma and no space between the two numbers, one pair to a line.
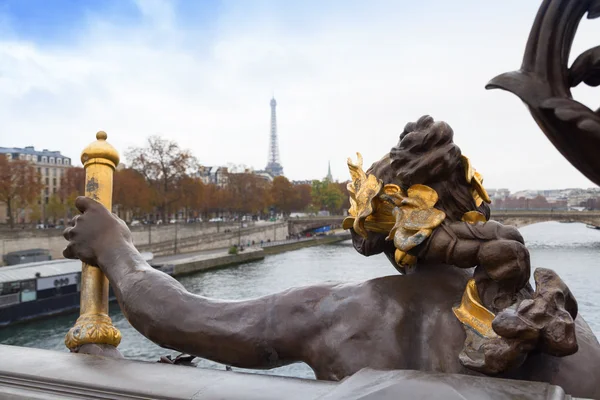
[96,234]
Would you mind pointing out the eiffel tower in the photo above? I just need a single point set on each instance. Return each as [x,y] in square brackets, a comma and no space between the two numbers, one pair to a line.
[274,167]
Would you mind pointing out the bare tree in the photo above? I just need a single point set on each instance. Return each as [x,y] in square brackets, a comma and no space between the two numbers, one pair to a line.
[164,164]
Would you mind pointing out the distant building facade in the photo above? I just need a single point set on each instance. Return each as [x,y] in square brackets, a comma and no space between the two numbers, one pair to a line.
[213,175]
[557,199]
[50,165]
[303,182]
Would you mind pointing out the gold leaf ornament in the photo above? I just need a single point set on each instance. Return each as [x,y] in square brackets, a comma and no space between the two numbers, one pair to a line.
[416,218]
[363,196]
[476,180]
[407,218]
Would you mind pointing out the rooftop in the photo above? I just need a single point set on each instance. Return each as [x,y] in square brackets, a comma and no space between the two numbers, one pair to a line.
[30,150]
[22,272]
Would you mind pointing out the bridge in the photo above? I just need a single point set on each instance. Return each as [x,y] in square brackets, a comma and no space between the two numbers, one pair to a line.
[521,218]
[518,218]
[304,224]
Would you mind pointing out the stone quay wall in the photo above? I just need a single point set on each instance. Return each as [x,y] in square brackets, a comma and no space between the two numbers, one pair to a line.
[158,239]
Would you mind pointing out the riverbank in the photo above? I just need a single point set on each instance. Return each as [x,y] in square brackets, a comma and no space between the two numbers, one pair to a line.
[185,264]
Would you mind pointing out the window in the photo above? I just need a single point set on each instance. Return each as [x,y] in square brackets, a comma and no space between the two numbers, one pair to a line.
[47,172]
[53,171]
[44,159]
[51,160]
[54,190]
[46,191]
[21,156]
[39,170]
[66,161]
[9,156]
[28,292]
[9,288]
[54,181]
[46,196]
[59,160]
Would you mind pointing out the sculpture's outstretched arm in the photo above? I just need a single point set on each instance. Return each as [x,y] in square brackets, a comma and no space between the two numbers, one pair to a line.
[261,333]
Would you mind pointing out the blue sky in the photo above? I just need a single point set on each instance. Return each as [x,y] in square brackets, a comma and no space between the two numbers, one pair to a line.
[347,75]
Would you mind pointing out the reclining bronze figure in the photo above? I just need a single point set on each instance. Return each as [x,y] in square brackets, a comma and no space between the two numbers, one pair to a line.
[462,302]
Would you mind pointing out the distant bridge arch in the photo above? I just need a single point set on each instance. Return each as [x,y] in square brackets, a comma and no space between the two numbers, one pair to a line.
[521,218]
[517,218]
[304,224]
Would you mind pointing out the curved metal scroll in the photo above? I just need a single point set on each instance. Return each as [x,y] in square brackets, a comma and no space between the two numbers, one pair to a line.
[545,80]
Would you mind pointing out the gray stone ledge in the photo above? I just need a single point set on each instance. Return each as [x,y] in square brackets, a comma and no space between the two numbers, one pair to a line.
[27,373]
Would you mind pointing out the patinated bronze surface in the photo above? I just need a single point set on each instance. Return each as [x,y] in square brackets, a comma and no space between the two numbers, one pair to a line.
[504,318]
[462,303]
[545,79]
[393,322]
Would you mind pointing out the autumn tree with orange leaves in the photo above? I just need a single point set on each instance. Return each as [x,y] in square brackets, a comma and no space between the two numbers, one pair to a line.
[303,197]
[131,193]
[163,164]
[283,195]
[192,197]
[247,193]
[72,184]
[20,185]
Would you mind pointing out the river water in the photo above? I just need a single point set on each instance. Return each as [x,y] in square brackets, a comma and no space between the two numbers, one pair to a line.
[572,250]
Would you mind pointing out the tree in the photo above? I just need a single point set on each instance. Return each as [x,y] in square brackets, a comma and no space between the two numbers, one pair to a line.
[283,195]
[327,196]
[72,184]
[192,196]
[343,187]
[212,199]
[163,164]
[247,193]
[35,213]
[131,193]
[19,184]
[303,197]
[55,208]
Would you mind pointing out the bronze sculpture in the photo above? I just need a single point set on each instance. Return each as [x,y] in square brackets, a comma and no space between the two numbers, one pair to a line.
[442,218]
[462,304]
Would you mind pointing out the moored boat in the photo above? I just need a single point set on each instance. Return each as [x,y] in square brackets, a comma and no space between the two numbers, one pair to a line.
[41,289]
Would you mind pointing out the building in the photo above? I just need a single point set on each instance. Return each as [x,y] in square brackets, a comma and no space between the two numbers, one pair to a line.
[51,166]
[264,174]
[213,175]
[274,167]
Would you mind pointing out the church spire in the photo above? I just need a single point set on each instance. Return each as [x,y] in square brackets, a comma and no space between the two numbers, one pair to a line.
[329,176]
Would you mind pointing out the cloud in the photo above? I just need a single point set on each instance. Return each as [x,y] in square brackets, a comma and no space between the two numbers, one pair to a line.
[347,77]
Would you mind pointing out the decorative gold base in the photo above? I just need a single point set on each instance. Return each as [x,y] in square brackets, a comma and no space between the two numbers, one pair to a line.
[472,313]
[92,329]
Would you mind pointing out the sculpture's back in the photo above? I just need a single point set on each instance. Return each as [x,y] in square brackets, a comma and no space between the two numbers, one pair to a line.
[423,203]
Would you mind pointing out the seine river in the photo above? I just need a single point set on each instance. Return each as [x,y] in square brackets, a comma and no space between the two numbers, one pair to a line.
[570,249]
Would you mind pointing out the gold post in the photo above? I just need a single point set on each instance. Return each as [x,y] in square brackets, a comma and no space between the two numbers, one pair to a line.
[94,326]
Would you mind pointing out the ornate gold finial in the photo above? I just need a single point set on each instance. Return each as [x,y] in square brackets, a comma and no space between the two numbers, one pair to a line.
[100,150]
[94,326]
[101,135]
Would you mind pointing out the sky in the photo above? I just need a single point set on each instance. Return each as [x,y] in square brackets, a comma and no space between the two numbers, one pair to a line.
[347,76]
